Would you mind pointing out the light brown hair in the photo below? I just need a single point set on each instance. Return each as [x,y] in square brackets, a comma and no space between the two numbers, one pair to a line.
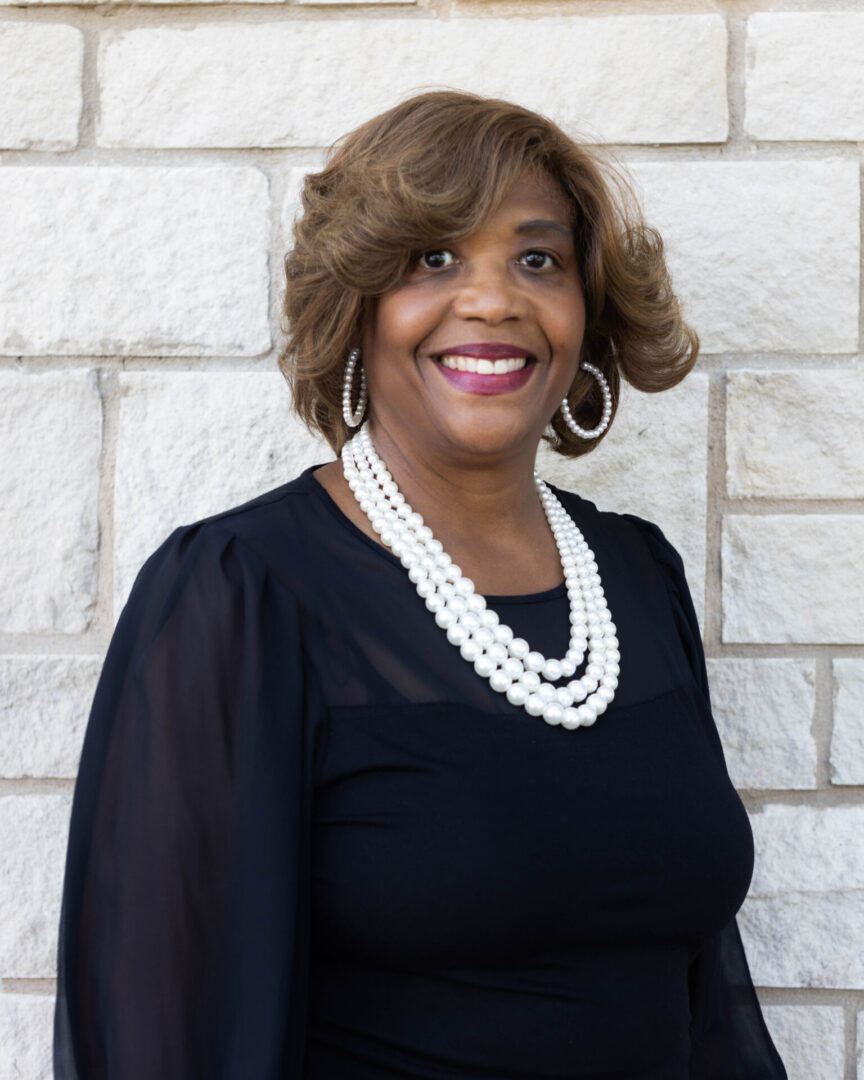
[432,169]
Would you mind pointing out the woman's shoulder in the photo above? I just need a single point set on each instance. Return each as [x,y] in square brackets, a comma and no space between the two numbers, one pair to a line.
[625,528]
[273,528]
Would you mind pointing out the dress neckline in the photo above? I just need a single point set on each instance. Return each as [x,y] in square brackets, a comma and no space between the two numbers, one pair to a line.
[555,593]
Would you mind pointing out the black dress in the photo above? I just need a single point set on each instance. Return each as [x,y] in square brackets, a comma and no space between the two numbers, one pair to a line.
[309,841]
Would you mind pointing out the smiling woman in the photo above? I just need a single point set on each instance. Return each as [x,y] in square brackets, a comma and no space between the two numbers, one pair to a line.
[373,785]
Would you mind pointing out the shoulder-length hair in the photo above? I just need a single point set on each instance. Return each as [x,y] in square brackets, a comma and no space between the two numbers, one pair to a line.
[433,168]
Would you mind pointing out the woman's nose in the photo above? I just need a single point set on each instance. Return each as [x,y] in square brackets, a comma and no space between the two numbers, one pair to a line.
[491,295]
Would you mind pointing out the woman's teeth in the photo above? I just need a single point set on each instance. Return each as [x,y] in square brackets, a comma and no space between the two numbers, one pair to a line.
[484,367]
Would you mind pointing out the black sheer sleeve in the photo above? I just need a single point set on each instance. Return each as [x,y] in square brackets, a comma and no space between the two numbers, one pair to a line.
[729,1038]
[183,947]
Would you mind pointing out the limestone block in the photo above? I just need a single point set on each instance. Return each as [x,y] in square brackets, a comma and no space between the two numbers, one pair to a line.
[44,705]
[50,437]
[134,261]
[805,940]
[651,463]
[26,1035]
[654,78]
[792,578]
[803,921]
[35,830]
[847,740]
[764,255]
[805,78]
[40,86]
[764,711]
[795,434]
[191,444]
[809,1038]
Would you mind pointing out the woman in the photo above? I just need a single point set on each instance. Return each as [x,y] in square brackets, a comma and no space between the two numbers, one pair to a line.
[407,767]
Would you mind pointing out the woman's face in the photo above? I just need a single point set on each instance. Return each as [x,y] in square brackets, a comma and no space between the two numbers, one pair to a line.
[509,292]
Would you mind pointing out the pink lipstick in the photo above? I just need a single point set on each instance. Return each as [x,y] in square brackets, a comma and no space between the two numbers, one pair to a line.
[475,382]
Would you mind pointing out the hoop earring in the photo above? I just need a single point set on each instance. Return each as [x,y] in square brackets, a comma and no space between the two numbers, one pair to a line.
[353,419]
[591,433]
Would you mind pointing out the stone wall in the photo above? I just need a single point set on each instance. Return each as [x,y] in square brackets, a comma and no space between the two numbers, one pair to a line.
[150,160]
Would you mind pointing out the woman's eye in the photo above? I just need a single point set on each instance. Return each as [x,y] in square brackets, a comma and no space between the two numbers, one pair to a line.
[539,260]
[438,259]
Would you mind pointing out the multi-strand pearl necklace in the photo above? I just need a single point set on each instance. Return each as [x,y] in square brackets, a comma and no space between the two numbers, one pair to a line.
[526,677]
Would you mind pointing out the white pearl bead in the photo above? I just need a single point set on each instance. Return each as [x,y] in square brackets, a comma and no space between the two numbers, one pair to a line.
[553,713]
[513,667]
[470,650]
[530,679]
[535,705]
[434,602]
[499,680]
[552,670]
[456,634]
[519,648]
[571,719]
[517,694]
[484,665]
[534,661]
[445,617]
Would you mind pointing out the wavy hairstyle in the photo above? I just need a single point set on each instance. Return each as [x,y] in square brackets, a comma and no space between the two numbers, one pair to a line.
[433,168]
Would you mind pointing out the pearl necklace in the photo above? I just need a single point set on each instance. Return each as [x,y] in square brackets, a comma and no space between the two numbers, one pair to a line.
[524,676]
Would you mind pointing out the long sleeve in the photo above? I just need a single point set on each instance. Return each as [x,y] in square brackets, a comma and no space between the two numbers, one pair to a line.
[729,1039]
[183,945]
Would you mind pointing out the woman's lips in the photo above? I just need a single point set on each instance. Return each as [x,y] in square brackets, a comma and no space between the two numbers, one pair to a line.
[474,383]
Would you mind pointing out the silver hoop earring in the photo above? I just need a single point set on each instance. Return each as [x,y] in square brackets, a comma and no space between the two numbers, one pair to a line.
[353,419]
[585,433]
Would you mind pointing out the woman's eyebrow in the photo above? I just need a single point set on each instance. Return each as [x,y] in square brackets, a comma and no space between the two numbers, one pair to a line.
[544,225]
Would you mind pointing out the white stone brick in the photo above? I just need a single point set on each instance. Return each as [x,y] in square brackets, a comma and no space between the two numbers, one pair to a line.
[809,1038]
[764,711]
[804,916]
[805,75]
[793,578]
[134,261]
[860,1046]
[651,463]
[49,445]
[26,1035]
[795,434]
[326,3]
[40,86]
[804,849]
[44,705]
[35,831]
[655,78]
[764,255]
[847,740]
[192,444]
[805,940]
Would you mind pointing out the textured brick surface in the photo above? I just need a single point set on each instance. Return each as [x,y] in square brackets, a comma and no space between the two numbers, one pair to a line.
[50,434]
[803,919]
[26,1031]
[805,76]
[764,711]
[44,705]
[40,86]
[847,740]
[765,255]
[192,444]
[149,261]
[651,463]
[620,79]
[35,830]
[809,1038]
[795,434]
[789,578]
